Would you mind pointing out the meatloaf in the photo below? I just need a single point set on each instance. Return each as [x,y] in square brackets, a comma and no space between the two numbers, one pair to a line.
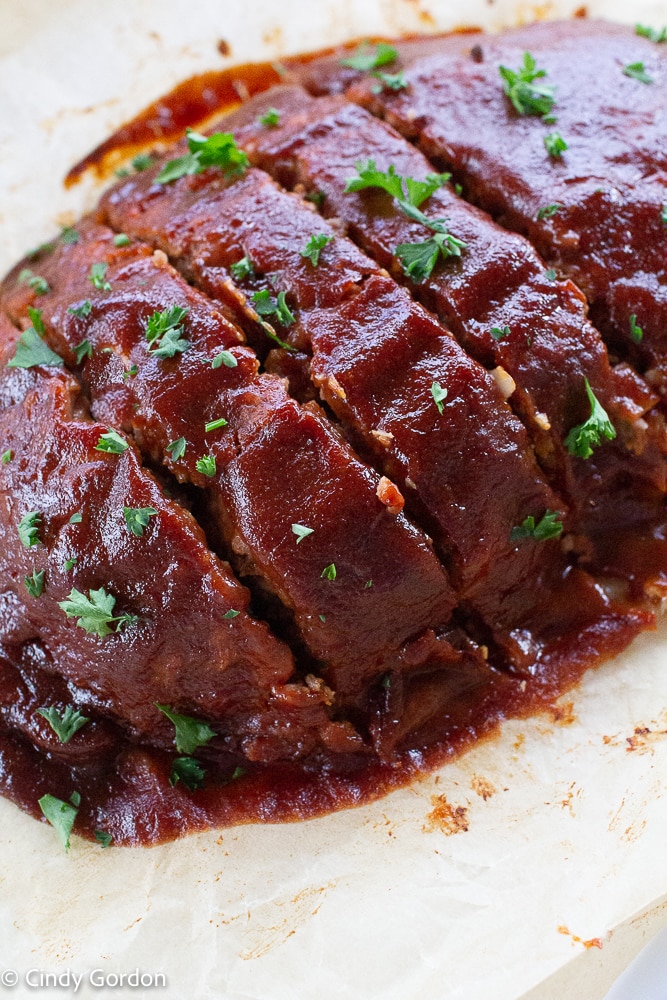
[335,434]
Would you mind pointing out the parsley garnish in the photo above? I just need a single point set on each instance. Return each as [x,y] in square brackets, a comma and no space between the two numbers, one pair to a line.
[550,274]
[65,725]
[31,349]
[390,81]
[142,162]
[177,449]
[242,269]
[329,572]
[130,373]
[301,532]
[163,332]
[555,144]
[97,275]
[637,72]
[121,240]
[76,518]
[498,333]
[317,198]
[266,306]
[547,527]
[270,118]
[548,211]
[206,465]
[29,528]
[137,518]
[112,443]
[636,332]
[83,350]
[419,259]
[40,286]
[190,733]
[229,615]
[95,612]
[439,395]
[34,583]
[653,34]
[314,247]
[7,456]
[368,584]
[225,358]
[663,213]
[582,439]
[215,425]
[81,311]
[528,97]
[217,150]
[103,839]
[189,771]
[61,815]
[69,564]
[367,58]
[68,234]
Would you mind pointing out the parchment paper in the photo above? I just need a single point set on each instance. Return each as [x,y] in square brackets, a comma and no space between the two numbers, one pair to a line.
[496,875]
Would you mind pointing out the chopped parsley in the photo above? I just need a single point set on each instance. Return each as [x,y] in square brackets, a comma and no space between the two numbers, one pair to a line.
[636,332]
[142,162]
[61,815]
[419,259]
[7,456]
[68,234]
[389,81]
[231,614]
[206,465]
[64,725]
[112,443]
[317,198]
[81,311]
[189,771]
[242,269]
[270,118]
[177,449]
[76,518]
[582,439]
[97,277]
[527,96]
[95,612]
[103,838]
[439,395]
[69,564]
[548,211]
[137,518]
[549,526]
[39,285]
[636,71]
[266,306]
[34,583]
[29,529]
[163,332]
[83,350]
[499,333]
[329,572]
[367,57]
[653,34]
[217,150]
[130,373]
[663,213]
[215,425]
[301,532]
[190,733]
[121,240]
[314,247]
[31,349]
[225,358]
[555,144]
[550,274]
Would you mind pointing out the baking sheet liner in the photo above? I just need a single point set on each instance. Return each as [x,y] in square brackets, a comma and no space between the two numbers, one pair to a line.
[482,880]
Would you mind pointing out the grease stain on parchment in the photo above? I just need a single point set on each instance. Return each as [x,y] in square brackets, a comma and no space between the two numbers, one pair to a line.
[446,817]
[595,942]
[482,787]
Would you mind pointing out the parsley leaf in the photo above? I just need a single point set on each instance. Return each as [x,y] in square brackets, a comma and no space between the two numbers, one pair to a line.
[528,97]
[189,771]
[419,259]
[229,615]
[69,564]
[329,572]
[76,518]
[653,34]
[65,725]
[314,247]
[225,358]
[81,311]
[548,211]
[112,443]
[97,275]
[34,583]
[242,269]
[636,332]
[582,439]
[637,72]
[177,449]
[555,144]
[163,332]
[137,518]
[215,425]
[217,150]
[142,161]
[190,733]
[68,234]
[32,351]
[439,395]
[29,528]
[547,527]
[7,456]
[121,240]
[270,118]
[266,306]
[550,274]
[499,333]
[103,839]
[83,350]
[367,58]
[389,81]
[40,286]
[301,532]
[61,815]
[95,612]
[206,465]
[663,213]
